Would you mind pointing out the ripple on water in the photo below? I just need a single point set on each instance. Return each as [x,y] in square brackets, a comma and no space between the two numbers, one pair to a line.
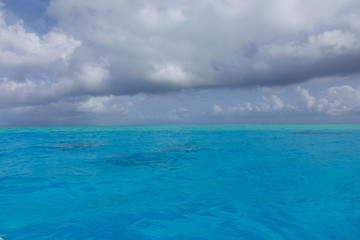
[76,145]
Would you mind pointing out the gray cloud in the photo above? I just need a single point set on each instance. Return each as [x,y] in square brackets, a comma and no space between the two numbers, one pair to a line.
[155,46]
[98,52]
[126,47]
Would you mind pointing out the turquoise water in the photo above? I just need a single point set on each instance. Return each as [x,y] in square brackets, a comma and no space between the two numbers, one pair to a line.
[181,182]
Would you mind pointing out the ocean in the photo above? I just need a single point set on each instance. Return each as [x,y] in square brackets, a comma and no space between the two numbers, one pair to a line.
[180,182]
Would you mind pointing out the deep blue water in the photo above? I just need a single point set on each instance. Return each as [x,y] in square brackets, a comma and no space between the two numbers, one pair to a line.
[180,182]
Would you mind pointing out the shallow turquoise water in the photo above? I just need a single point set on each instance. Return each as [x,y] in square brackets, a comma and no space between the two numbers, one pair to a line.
[181,182]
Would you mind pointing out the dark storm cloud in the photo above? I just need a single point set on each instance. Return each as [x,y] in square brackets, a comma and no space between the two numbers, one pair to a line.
[292,72]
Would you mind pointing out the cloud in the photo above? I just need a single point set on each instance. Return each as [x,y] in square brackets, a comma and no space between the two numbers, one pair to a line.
[86,110]
[329,43]
[217,109]
[20,49]
[272,105]
[335,101]
[40,69]
[165,18]
[338,100]
[104,104]
[267,104]
[96,53]
[173,75]
[157,46]
[94,104]
[305,97]
[24,93]
[93,77]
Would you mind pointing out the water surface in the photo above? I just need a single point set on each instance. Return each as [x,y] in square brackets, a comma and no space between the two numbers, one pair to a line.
[181,182]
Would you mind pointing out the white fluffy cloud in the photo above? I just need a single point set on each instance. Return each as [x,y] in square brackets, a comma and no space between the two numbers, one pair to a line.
[103,105]
[22,49]
[338,100]
[38,69]
[173,75]
[92,76]
[271,103]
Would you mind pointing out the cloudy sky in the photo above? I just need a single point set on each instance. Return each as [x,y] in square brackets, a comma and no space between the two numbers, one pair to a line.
[129,62]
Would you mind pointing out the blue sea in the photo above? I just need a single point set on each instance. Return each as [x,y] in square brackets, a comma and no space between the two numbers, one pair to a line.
[248,182]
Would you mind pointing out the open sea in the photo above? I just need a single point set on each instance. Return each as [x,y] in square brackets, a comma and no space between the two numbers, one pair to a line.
[249,182]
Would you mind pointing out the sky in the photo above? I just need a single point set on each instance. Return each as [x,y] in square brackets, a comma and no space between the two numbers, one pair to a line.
[145,62]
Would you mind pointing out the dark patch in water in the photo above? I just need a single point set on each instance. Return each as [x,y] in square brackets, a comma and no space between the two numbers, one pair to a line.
[163,158]
[139,159]
[178,148]
[73,145]
[317,133]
